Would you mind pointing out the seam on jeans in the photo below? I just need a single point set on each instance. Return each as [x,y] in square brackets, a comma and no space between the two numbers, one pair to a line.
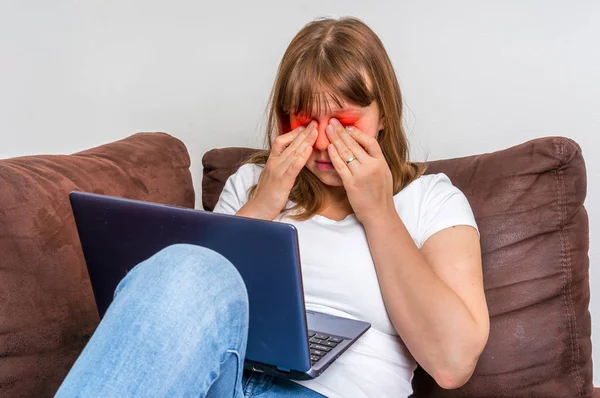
[567,265]
[250,386]
[265,384]
[237,375]
[241,336]
[240,359]
[245,385]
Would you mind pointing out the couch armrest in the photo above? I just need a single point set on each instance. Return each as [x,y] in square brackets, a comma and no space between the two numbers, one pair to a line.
[47,309]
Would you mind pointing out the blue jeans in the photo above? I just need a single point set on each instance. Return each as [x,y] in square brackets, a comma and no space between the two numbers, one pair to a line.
[177,327]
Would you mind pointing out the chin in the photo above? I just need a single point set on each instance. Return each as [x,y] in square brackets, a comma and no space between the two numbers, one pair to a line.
[329,178]
[332,182]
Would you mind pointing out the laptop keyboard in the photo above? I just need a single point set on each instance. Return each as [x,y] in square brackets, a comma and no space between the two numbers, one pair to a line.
[320,344]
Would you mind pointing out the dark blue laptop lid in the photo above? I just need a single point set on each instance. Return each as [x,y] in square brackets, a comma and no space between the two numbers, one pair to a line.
[116,234]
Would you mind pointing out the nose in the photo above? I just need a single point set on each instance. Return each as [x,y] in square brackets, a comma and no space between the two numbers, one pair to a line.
[322,141]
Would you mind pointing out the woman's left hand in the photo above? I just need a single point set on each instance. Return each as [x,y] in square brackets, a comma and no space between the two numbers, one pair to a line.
[366,177]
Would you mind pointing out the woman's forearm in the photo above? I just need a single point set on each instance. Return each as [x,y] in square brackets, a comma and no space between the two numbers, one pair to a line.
[432,320]
[252,210]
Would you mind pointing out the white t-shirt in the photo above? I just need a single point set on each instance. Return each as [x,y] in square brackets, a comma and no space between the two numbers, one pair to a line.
[339,278]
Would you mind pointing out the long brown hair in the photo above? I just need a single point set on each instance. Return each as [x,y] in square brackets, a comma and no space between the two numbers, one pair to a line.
[342,60]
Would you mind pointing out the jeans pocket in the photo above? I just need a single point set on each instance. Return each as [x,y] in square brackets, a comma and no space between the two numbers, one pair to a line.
[257,384]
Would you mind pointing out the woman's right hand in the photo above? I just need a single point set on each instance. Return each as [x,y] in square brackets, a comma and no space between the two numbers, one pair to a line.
[289,154]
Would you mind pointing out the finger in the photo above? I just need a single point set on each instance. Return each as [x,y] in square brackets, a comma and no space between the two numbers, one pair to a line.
[312,135]
[281,142]
[340,166]
[299,150]
[295,165]
[342,149]
[366,141]
[350,142]
[298,141]
[284,140]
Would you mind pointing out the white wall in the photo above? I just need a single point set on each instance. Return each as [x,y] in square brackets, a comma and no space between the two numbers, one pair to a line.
[477,75]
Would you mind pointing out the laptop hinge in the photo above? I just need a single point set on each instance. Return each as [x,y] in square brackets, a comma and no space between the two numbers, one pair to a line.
[284,370]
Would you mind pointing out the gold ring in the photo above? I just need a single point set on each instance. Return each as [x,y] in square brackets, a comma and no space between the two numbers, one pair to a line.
[350,160]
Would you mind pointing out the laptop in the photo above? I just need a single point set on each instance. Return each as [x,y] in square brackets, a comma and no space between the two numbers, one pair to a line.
[284,339]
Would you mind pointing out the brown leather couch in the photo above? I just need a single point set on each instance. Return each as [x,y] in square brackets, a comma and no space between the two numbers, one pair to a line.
[528,201]
[47,308]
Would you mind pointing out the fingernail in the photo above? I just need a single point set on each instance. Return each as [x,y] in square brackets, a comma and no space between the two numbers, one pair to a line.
[329,129]
[335,121]
[350,128]
[314,133]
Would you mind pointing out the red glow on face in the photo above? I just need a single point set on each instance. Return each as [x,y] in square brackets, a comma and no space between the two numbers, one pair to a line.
[296,122]
[348,121]
[345,118]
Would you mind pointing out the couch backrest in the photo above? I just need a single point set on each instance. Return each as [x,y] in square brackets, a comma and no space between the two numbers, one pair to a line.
[528,203]
[47,308]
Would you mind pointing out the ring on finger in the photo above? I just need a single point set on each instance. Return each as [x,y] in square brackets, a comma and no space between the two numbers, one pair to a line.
[351,159]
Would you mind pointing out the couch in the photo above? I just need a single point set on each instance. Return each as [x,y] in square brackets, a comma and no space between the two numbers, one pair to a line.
[528,202]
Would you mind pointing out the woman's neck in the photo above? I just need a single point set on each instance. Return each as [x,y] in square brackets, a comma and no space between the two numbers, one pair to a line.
[336,195]
[337,207]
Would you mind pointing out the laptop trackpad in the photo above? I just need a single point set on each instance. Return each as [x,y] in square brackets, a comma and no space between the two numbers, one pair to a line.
[335,325]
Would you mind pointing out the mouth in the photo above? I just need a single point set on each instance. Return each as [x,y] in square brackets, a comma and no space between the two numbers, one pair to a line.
[324,165]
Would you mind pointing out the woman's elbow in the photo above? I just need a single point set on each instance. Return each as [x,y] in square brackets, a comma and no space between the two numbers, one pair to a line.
[455,374]
[453,378]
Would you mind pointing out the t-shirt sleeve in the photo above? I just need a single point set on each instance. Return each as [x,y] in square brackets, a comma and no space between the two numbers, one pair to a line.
[443,206]
[235,191]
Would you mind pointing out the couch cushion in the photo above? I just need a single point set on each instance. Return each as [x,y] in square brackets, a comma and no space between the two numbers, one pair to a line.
[528,203]
[47,309]
[218,165]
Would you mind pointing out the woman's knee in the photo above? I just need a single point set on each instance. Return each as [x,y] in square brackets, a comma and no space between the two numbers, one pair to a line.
[197,273]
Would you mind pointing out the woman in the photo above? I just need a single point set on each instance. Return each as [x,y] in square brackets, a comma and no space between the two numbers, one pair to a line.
[379,242]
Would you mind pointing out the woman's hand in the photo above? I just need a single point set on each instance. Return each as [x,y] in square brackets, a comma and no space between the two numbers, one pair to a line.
[289,155]
[367,177]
